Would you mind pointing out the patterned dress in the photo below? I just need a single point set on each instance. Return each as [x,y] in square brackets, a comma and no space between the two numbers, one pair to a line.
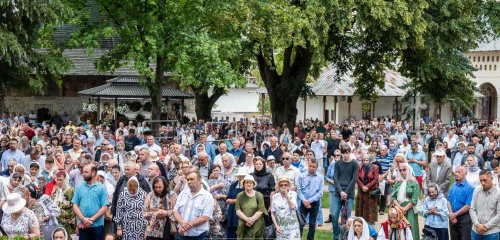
[21,225]
[130,214]
[156,225]
[286,217]
[63,200]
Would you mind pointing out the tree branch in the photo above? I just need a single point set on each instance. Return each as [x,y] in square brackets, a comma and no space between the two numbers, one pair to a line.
[287,55]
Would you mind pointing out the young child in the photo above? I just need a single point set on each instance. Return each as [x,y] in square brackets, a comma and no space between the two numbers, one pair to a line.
[34,172]
[111,236]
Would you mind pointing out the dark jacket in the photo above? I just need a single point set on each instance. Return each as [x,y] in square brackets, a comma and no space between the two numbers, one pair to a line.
[122,184]
[265,185]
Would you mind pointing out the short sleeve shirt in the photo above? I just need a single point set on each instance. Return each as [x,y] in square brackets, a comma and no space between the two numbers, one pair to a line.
[192,207]
[90,199]
[21,225]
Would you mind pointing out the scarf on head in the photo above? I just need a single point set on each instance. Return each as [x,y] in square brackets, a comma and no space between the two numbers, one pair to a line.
[398,227]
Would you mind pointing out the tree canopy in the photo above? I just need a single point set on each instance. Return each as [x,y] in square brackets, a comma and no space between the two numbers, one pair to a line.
[28,55]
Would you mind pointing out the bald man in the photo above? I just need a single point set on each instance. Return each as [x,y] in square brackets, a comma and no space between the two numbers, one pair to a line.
[153,171]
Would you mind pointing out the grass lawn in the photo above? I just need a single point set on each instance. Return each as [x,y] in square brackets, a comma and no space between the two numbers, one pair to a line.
[318,234]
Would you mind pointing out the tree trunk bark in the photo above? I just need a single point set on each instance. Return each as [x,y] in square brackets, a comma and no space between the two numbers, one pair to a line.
[155,89]
[284,90]
[205,103]
[2,98]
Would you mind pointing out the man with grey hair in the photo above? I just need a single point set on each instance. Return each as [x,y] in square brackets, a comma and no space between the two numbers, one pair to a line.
[204,165]
[274,150]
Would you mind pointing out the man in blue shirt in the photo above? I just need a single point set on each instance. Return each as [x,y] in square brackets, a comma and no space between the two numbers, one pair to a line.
[310,191]
[90,202]
[417,160]
[12,152]
[459,202]
[384,161]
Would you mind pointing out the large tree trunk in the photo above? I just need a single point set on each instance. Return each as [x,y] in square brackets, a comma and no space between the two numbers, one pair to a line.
[284,90]
[155,89]
[205,103]
[3,92]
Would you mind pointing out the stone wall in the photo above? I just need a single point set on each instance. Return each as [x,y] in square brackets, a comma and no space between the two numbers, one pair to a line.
[72,105]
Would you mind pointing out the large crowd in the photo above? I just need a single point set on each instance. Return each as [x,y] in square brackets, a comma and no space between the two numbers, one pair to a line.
[249,179]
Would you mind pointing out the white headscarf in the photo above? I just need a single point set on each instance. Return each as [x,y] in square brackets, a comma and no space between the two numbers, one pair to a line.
[365,235]
[409,177]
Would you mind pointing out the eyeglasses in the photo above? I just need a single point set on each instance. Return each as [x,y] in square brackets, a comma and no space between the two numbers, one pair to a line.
[402,170]
[285,158]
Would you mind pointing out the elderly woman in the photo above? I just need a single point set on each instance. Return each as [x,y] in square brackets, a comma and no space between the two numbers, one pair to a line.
[234,189]
[405,196]
[229,168]
[61,193]
[157,209]
[367,182]
[26,179]
[395,227]
[472,171]
[359,230]
[24,145]
[436,211]
[250,209]
[18,220]
[283,211]
[129,219]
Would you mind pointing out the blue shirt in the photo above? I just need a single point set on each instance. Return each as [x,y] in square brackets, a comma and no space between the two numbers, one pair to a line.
[460,195]
[329,175]
[299,165]
[90,199]
[436,221]
[236,153]
[8,154]
[310,186]
[419,156]
[385,162]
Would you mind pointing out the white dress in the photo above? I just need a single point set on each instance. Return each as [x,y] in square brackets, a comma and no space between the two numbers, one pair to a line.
[286,217]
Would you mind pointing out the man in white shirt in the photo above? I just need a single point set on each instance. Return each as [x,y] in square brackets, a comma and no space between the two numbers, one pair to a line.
[291,172]
[451,139]
[151,145]
[193,209]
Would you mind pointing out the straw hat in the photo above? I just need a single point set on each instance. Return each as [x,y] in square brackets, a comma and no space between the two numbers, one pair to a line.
[284,179]
[14,203]
[153,156]
[242,171]
[250,178]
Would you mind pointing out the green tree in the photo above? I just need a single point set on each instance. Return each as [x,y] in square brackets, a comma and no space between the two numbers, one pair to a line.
[362,36]
[424,39]
[28,55]
[157,37]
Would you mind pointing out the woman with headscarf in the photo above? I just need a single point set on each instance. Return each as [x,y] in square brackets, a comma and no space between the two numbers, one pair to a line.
[436,211]
[265,182]
[396,227]
[472,171]
[61,193]
[367,182]
[405,196]
[59,234]
[129,219]
[14,186]
[359,230]
[228,169]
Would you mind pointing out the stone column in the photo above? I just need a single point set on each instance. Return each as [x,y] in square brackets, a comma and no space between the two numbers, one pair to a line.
[497,115]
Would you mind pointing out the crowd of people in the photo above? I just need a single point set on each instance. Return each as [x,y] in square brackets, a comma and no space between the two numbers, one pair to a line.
[250,179]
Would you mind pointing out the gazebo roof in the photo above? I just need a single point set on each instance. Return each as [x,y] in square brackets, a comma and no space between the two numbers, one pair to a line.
[130,87]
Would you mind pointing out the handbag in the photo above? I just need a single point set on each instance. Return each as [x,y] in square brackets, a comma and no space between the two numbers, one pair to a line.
[269,232]
[375,193]
[419,207]
[301,218]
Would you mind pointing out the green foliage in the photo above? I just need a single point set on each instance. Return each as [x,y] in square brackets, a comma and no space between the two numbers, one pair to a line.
[28,55]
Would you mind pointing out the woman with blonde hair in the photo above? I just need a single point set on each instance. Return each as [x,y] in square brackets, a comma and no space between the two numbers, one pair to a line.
[26,179]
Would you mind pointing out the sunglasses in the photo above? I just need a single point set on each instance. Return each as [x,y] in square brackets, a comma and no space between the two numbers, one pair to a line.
[285,158]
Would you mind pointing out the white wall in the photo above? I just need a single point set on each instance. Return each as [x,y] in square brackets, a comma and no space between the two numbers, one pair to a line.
[238,100]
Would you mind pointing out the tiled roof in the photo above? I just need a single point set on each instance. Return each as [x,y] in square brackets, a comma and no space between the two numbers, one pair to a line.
[493,45]
[129,86]
[83,64]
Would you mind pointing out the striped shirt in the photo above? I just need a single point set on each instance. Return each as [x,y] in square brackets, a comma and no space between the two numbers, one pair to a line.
[385,162]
